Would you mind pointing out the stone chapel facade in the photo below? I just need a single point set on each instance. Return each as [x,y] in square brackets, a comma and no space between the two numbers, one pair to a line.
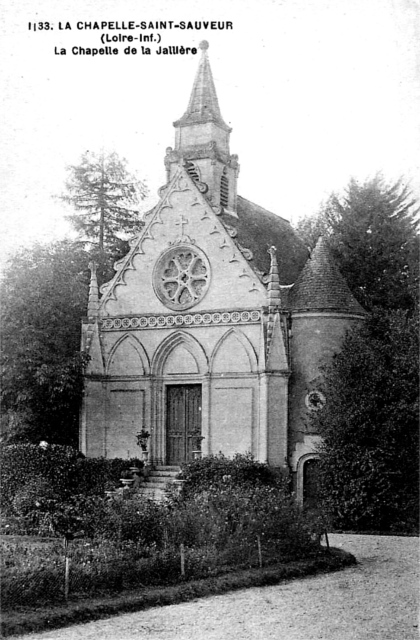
[213,330]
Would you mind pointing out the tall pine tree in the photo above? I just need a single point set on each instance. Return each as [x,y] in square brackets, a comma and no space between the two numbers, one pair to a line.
[106,197]
[368,473]
[372,232]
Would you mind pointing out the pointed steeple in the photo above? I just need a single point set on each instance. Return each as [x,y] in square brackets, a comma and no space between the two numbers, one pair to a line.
[321,287]
[93,302]
[202,143]
[203,106]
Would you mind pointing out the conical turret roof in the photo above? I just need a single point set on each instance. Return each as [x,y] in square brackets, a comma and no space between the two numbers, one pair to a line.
[203,105]
[321,287]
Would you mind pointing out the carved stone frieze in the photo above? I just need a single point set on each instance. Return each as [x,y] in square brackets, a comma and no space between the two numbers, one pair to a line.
[177,320]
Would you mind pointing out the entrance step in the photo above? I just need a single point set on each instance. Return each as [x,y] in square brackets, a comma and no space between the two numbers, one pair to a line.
[158,480]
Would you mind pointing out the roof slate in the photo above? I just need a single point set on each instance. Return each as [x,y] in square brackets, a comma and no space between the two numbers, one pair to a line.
[258,230]
[321,286]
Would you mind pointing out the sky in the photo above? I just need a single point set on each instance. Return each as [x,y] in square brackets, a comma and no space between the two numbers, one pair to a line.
[316,91]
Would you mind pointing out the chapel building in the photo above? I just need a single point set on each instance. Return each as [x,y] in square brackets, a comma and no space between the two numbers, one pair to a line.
[213,330]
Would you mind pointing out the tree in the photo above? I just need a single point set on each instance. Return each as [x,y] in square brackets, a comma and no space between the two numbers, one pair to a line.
[106,197]
[369,472]
[372,234]
[44,295]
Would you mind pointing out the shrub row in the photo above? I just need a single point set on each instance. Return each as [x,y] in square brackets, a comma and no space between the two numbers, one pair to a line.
[33,479]
[218,470]
[229,513]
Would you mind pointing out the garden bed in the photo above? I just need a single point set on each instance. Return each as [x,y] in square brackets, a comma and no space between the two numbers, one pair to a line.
[25,619]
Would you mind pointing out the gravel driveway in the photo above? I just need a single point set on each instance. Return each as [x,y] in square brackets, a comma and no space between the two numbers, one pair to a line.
[376,600]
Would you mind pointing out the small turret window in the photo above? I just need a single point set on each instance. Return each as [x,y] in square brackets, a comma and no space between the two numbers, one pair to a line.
[192,171]
[224,189]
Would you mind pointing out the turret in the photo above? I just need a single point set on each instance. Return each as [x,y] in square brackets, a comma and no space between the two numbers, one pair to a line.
[322,310]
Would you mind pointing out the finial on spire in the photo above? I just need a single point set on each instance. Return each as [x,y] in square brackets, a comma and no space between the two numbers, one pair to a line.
[204,45]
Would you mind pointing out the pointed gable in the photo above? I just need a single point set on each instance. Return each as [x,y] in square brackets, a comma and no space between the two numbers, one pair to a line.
[321,287]
[182,220]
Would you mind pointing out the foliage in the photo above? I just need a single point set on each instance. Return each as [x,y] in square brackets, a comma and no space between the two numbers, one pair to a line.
[37,481]
[369,462]
[216,470]
[128,541]
[34,576]
[372,234]
[231,516]
[106,197]
[137,542]
[138,520]
[78,516]
[30,467]
[44,294]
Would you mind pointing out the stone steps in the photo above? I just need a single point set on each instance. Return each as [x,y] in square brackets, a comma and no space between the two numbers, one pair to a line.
[158,479]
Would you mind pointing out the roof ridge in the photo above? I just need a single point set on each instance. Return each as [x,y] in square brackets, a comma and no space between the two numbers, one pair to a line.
[258,206]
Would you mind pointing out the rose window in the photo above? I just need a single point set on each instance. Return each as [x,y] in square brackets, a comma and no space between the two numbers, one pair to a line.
[182,277]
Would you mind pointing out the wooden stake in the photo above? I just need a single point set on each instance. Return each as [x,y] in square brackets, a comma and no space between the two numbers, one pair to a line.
[327,541]
[66,580]
[259,551]
[66,570]
[182,561]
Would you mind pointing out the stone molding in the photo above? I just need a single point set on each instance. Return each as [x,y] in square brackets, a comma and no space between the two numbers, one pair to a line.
[165,321]
[328,313]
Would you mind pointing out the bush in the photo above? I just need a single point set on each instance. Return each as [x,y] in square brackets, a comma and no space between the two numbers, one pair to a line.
[34,480]
[140,520]
[23,463]
[216,470]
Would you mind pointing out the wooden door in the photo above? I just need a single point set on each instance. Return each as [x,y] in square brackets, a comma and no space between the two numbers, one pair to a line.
[183,422]
[310,483]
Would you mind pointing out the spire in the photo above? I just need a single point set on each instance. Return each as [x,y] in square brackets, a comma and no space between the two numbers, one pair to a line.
[321,287]
[276,349]
[203,106]
[274,299]
[273,295]
[202,143]
[93,303]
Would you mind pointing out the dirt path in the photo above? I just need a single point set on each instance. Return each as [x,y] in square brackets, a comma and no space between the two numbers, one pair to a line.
[376,600]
